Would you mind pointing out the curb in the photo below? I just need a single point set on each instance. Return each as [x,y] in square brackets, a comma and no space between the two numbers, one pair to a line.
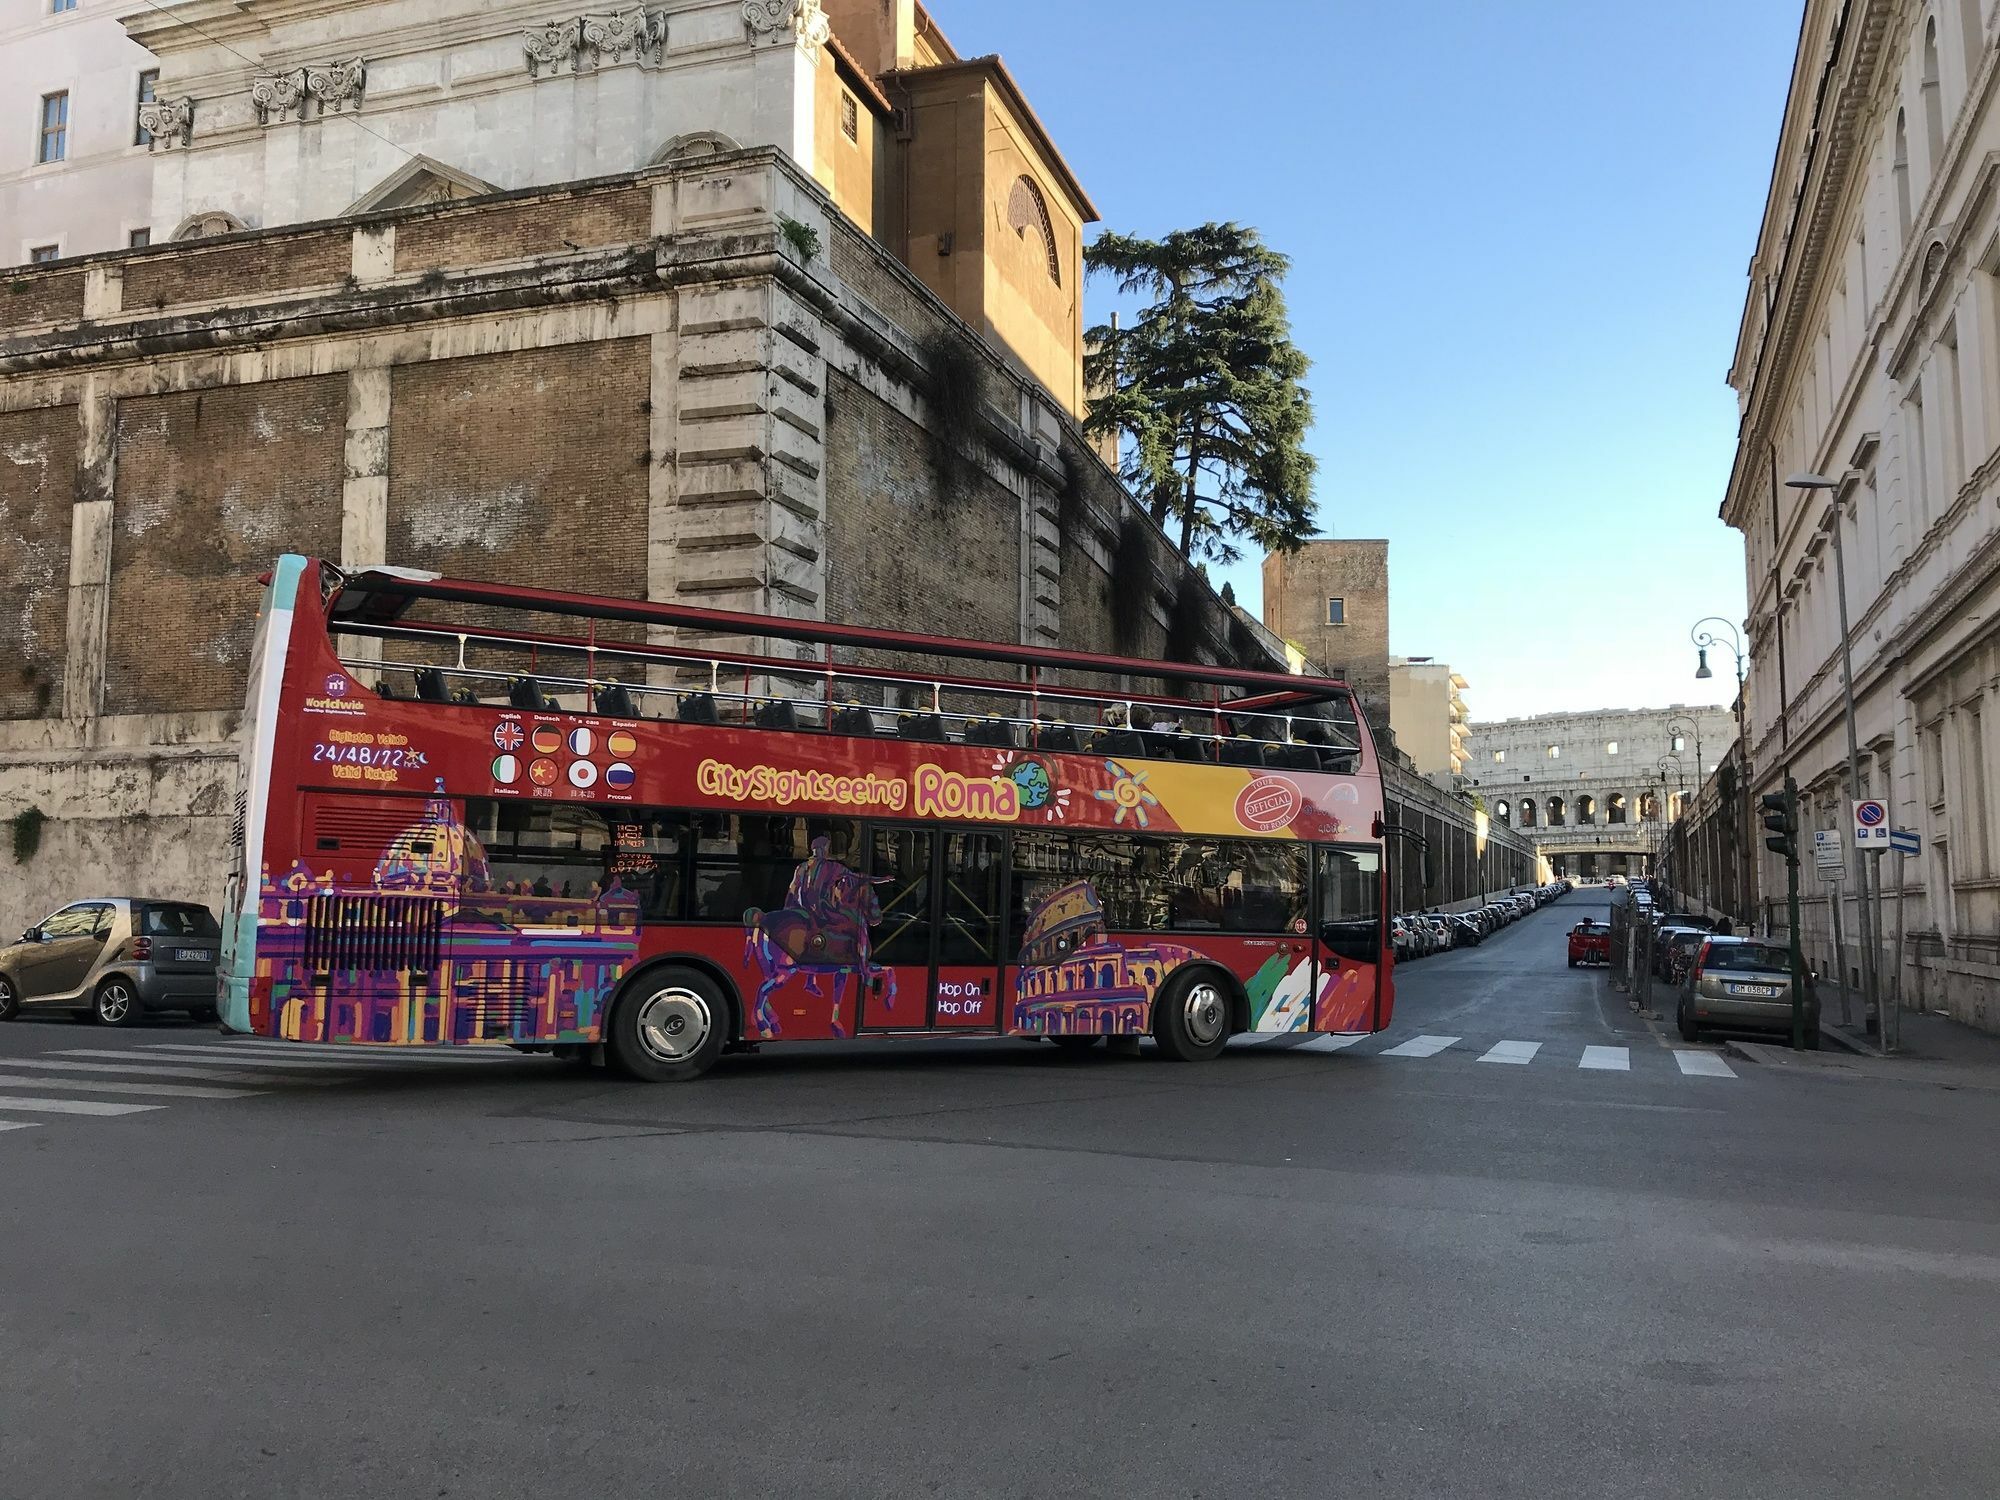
[1847,1043]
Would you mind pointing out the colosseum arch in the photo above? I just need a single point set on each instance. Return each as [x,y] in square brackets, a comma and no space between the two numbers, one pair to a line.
[1504,811]
[1527,812]
[1586,809]
[1614,807]
[1555,812]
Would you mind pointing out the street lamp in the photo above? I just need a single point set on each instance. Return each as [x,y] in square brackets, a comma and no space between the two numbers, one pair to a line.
[1733,644]
[1806,483]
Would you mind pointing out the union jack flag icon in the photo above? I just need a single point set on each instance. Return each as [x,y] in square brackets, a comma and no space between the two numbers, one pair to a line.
[507,736]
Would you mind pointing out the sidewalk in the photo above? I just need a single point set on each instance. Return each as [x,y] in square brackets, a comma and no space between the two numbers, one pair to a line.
[1935,1049]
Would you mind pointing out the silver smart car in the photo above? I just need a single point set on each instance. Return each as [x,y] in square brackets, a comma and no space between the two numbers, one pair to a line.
[116,957]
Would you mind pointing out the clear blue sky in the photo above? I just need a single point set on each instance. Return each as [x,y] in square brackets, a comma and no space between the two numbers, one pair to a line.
[1519,234]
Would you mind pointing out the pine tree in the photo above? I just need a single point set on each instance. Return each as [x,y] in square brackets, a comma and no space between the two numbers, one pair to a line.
[1204,388]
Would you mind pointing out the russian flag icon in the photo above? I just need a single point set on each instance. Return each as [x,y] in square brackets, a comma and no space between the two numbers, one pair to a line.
[619,777]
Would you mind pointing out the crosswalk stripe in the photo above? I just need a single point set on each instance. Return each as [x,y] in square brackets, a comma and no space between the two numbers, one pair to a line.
[159,1070]
[18,1124]
[106,1086]
[485,1053]
[1611,1059]
[1703,1065]
[72,1106]
[1423,1046]
[353,1058]
[1330,1043]
[1511,1052]
[248,1064]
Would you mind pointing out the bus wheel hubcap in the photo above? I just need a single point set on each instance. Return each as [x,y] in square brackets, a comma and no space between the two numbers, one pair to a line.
[1207,1014]
[673,1024]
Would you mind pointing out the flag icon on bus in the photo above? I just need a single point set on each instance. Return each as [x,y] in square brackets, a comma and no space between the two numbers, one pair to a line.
[507,735]
[507,769]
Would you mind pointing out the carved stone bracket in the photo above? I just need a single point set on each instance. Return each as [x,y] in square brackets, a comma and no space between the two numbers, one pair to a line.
[328,88]
[594,40]
[805,21]
[275,98]
[337,84]
[167,122]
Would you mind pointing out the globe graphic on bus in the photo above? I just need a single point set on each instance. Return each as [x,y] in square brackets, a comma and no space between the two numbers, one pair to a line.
[1032,777]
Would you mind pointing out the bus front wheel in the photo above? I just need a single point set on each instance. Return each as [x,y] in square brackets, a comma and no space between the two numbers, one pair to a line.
[668,1027]
[1191,1017]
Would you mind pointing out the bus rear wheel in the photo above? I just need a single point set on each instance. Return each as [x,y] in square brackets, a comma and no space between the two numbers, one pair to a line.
[668,1027]
[1191,1017]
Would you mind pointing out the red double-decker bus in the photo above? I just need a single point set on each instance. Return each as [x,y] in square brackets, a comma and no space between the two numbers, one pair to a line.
[475,814]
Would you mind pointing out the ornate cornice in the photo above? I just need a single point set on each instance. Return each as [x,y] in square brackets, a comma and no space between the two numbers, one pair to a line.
[277,96]
[167,122]
[594,40]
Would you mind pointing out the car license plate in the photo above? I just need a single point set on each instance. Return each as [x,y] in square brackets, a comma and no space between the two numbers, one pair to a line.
[1764,991]
[192,955]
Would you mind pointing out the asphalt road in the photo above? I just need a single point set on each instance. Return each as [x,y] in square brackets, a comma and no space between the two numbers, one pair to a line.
[993,1270]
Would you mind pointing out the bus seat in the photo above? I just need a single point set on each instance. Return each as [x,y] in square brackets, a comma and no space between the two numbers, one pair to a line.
[926,727]
[1292,757]
[384,688]
[430,685]
[526,692]
[1051,735]
[463,695]
[855,718]
[778,713]
[1118,742]
[615,699]
[990,732]
[696,708]
[1242,752]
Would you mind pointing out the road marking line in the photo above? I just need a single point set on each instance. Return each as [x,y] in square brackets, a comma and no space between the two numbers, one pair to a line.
[248,1064]
[354,1057]
[1423,1046]
[158,1070]
[1611,1059]
[74,1106]
[18,1124]
[1511,1052]
[1703,1065]
[429,1052]
[1330,1043]
[106,1086]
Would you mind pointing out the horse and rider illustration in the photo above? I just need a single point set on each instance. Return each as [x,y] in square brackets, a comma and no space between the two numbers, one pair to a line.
[821,932]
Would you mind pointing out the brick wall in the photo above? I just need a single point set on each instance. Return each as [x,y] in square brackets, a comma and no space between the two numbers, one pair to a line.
[37,488]
[525,468]
[470,237]
[863,265]
[901,553]
[252,269]
[38,296]
[211,486]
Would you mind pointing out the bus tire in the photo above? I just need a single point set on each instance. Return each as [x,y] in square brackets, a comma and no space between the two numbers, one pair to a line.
[1191,1017]
[1075,1046]
[669,1026]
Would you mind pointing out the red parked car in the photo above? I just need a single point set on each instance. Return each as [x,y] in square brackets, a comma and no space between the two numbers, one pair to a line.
[1589,943]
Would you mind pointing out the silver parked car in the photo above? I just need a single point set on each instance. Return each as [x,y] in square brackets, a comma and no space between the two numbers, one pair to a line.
[1742,983]
[117,958]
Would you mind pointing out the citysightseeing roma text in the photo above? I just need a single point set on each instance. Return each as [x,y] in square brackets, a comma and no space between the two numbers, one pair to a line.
[933,792]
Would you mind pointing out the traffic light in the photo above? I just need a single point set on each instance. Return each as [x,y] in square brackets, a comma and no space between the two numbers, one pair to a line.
[1781,823]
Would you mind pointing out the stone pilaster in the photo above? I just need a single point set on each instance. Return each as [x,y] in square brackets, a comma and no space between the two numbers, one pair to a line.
[90,555]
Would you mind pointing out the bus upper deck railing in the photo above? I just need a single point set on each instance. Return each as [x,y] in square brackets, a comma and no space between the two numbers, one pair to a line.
[830,697]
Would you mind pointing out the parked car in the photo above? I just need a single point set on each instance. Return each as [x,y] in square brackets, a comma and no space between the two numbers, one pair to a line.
[1589,943]
[1441,932]
[1743,983]
[117,957]
[1402,939]
[1676,949]
[1467,933]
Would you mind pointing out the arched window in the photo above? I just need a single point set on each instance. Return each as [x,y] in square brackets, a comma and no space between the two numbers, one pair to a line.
[1933,99]
[1901,172]
[1504,812]
[694,145]
[1028,209]
[1649,807]
[1527,812]
[1586,809]
[1614,808]
[1555,812]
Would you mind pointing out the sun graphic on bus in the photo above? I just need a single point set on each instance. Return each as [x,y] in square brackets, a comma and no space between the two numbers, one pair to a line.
[1127,793]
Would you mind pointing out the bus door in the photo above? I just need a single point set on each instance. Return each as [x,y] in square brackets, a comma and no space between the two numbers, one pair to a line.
[897,996]
[1348,931]
[939,935]
[970,885]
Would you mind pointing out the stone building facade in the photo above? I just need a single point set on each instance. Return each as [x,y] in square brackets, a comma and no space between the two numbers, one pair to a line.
[1869,356]
[1330,599]
[1596,791]
[1428,713]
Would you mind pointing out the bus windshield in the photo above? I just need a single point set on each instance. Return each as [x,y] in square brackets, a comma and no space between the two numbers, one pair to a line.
[486,815]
